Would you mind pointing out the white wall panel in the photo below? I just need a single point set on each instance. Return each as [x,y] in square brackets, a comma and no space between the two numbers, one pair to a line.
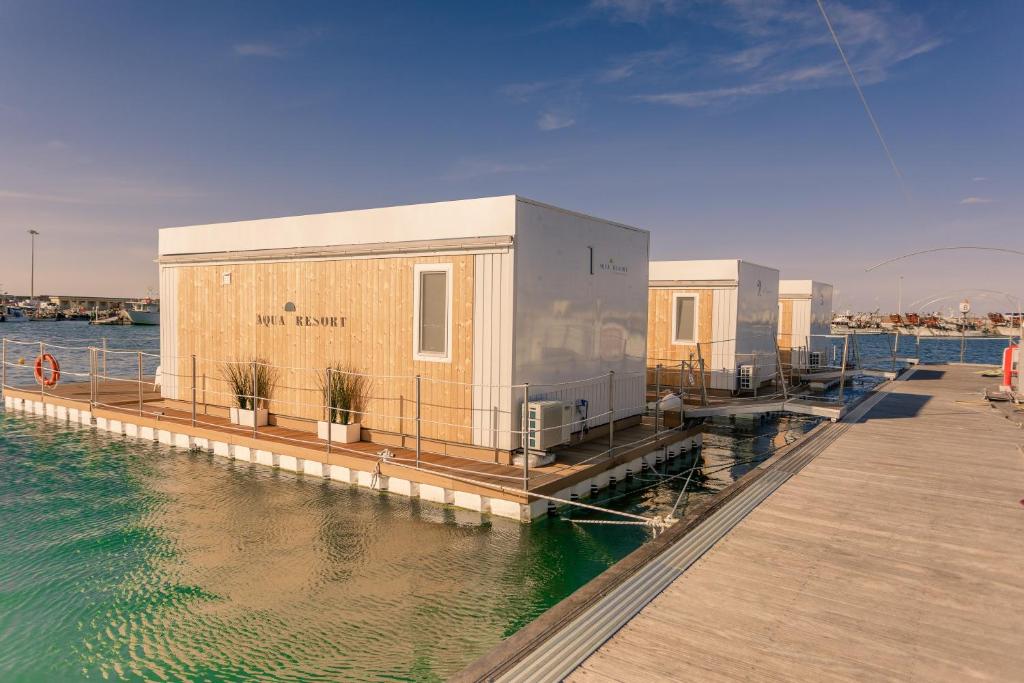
[170,364]
[492,347]
[574,322]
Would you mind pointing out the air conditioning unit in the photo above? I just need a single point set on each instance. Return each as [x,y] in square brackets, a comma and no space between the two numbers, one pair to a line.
[746,377]
[550,424]
[816,359]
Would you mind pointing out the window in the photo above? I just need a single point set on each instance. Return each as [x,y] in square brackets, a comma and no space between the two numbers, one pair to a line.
[433,297]
[684,319]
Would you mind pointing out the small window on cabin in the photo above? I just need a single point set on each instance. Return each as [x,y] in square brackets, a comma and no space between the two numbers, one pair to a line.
[684,319]
[433,311]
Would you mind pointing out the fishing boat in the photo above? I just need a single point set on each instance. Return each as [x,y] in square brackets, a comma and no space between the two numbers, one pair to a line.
[12,314]
[144,312]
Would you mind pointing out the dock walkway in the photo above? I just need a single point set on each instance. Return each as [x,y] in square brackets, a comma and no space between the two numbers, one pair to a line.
[886,547]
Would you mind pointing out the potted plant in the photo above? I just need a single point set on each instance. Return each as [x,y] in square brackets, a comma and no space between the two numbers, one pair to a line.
[344,395]
[250,409]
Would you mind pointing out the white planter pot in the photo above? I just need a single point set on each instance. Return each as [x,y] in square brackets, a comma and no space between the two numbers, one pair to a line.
[339,433]
[245,418]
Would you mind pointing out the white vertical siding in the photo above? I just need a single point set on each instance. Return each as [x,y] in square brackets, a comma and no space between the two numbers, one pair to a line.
[169,361]
[492,350]
[723,336]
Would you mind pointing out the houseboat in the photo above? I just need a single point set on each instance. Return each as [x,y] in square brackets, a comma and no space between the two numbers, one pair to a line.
[805,314]
[456,313]
[721,315]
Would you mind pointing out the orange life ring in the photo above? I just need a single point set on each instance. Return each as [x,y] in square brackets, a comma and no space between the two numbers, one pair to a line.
[54,377]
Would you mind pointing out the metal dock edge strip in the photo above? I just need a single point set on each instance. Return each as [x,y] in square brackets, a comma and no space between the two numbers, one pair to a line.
[558,656]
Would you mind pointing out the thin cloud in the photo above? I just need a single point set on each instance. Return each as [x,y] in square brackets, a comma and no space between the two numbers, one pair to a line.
[281,46]
[105,191]
[979,178]
[633,11]
[258,50]
[976,200]
[550,120]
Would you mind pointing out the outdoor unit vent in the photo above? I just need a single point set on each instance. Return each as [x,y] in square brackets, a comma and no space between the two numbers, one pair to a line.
[746,377]
[816,359]
[550,424]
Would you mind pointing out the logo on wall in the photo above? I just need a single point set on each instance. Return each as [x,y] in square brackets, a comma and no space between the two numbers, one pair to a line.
[274,320]
[613,267]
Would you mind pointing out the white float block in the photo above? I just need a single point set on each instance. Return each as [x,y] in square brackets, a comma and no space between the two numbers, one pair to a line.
[147,433]
[62,413]
[51,410]
[222,449]
[315,468]
[116,426]
[131,430]
[8,402]
[290,463]
[506,508]
[101,423]
[471,501]
[201,443]
[38,407]
[165,437]
[182,441]
[85,417]
[341,473]
[403,487]
[261,457]
[436,494]
[242,453]
[601,480]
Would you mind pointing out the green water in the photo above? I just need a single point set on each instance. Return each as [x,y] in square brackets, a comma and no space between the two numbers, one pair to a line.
[123,560]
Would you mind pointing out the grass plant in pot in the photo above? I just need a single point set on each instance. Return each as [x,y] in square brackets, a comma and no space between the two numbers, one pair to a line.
[252,385]
[344,394]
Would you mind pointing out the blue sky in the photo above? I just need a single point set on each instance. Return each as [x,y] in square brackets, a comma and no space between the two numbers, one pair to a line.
[729,129]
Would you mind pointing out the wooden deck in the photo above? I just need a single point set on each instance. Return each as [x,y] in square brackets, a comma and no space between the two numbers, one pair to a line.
[574,463]
[896,554]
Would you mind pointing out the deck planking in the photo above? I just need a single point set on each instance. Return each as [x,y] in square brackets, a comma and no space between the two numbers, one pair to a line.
[895,554]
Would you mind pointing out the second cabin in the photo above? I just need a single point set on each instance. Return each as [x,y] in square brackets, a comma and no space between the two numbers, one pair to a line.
[721,315]
[448,309]
[805,317]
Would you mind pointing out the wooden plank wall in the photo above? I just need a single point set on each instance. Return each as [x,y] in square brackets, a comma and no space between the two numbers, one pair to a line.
[660,348]
[218,322]
[786,324]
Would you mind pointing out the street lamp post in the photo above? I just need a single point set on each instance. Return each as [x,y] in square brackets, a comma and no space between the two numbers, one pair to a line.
[32,272]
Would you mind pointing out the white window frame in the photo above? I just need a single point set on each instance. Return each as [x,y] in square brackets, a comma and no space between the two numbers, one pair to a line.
[418,269]
[676,296]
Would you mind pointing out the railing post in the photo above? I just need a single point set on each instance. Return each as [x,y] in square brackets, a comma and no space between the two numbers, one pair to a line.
[42,372]
[255,419]
[193,390]
[92,377]
[842,369]
[782,376]
[963,341]
[526,438]
[419,418]
[104,355]
[330,410]
[3,372]
[657,395]
[682,389]
[140,382]
[611,412]
[703,381]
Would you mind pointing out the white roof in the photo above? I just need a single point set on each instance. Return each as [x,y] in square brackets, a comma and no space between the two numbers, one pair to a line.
[489,216]
[698,271]
[799,287]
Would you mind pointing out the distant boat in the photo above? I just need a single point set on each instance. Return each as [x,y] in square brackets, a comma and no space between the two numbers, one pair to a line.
[144,312]
[12,314]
